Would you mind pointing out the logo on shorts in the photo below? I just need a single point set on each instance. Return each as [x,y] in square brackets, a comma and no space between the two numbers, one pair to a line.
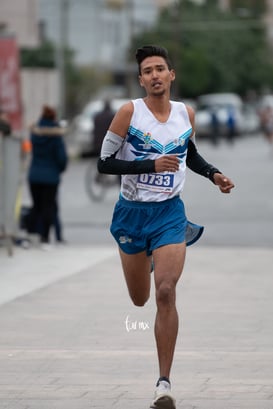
[125,239]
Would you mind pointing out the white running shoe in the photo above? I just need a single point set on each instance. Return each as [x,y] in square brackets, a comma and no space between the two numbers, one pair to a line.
[163,398]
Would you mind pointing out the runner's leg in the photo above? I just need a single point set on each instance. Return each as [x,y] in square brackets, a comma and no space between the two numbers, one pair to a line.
[168,266]
[137,272]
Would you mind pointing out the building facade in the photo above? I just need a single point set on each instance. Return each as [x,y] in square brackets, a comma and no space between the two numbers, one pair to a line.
[19,17]
[99,30]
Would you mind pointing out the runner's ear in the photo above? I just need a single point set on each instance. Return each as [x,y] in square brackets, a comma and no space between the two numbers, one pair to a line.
[140,81]
[172,75]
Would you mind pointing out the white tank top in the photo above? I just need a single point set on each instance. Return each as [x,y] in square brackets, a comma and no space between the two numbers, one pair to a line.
[147,138]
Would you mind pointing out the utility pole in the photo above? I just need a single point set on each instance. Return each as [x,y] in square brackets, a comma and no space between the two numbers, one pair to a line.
[224,5]
[269,22]
[127,6]
[176,37]
[130,75]
[63,43]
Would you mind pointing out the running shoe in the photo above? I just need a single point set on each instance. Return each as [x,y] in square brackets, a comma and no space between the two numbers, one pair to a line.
[163,398]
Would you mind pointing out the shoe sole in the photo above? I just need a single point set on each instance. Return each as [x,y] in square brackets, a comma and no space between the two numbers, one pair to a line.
[163,402]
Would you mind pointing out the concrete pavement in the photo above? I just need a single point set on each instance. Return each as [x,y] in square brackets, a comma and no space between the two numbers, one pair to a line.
[70,337]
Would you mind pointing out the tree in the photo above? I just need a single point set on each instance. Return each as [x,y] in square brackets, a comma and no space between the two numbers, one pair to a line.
[212,51]
[40,57]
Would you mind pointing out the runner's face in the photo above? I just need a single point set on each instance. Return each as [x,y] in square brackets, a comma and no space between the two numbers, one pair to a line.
[155,76]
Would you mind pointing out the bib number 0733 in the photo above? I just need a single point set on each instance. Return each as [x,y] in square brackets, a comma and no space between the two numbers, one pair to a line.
[156,182]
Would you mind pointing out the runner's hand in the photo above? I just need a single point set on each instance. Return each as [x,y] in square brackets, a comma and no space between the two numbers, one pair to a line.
[167,163]
[224,183]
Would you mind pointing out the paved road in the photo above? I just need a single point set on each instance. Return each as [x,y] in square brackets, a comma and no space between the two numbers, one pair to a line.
[70,337]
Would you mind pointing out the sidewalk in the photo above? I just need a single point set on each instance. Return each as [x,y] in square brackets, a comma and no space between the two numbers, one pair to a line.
[71,339]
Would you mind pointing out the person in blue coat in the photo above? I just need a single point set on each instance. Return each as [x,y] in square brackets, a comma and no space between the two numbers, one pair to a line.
[49,160]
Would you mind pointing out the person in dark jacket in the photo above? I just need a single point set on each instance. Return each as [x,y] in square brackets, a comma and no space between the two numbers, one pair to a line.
[5,127]
[102,121]
[49,160]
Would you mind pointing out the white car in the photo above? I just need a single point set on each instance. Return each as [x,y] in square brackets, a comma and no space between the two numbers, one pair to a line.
[222,105]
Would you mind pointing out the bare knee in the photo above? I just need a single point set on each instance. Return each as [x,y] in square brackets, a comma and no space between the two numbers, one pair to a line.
[165,294]
[139,300]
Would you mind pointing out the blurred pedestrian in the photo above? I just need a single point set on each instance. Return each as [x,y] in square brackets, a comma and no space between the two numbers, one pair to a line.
[150,141]
[231,125]
[57,224]
[214,132]
[266,118]
[48,161]
[102,121]
[5,127]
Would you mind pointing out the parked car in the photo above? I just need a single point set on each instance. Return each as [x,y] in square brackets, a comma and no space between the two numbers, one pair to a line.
[216,113]
[81,128]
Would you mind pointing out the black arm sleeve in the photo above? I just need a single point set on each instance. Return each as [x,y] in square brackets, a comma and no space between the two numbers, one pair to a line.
[198,164]
[114,166]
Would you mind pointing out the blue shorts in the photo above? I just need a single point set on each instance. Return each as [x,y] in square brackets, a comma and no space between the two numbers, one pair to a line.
[140,226]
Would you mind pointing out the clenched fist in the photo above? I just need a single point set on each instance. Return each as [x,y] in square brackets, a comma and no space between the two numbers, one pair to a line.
[224,183]
[168,163]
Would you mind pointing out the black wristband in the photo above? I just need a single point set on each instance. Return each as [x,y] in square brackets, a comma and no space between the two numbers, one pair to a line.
[212,172]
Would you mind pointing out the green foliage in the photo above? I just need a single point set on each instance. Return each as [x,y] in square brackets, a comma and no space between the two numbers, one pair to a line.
[213,51]
[41,57]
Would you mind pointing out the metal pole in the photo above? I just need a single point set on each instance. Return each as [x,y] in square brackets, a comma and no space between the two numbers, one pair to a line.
[63,42]
[176,22]
[130,73]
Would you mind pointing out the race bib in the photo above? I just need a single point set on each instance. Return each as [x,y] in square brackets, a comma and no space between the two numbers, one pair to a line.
[156,182]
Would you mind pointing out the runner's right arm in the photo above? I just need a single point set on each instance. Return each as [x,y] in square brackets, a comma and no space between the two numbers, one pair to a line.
[113,140]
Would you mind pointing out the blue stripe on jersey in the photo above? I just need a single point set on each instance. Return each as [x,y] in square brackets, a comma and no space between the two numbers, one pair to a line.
[143,145]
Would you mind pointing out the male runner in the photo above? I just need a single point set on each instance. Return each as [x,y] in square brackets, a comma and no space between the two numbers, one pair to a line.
[150,142]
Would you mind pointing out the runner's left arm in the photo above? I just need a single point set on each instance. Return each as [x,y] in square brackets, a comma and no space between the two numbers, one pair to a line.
[199,165]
